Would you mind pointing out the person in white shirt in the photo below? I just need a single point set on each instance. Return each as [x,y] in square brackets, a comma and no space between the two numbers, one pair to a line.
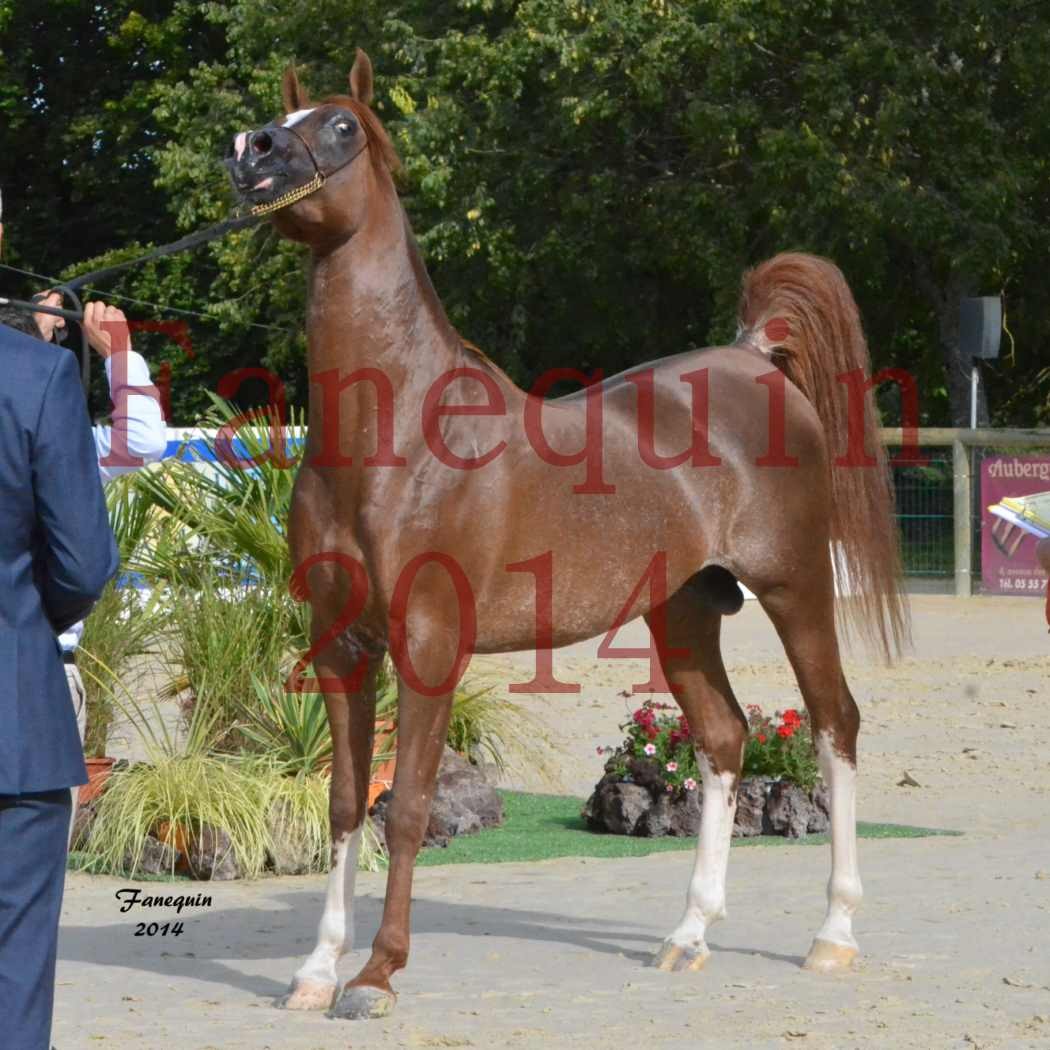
[137,422]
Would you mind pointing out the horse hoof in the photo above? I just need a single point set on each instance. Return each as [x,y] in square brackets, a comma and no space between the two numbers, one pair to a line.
[362,1001]
[829,957]
[677,958]
[308,995]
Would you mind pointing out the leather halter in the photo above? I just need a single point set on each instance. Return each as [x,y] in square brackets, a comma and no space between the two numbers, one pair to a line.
[308,188]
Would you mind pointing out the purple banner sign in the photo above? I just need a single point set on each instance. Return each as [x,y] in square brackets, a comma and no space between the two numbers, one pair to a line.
[1015,515]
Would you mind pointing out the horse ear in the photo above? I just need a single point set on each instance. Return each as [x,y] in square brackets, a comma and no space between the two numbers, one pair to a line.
[361,79]
[292,91]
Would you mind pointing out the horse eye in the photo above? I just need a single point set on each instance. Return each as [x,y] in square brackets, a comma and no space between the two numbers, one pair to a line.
[344,128]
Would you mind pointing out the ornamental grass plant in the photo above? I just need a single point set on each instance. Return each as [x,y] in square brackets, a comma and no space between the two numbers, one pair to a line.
[187,785]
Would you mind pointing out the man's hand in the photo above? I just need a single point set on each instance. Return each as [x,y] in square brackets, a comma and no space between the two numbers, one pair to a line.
[106,328]
[47,323]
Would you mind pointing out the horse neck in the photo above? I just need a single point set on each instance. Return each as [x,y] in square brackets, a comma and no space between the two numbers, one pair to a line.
[372,306]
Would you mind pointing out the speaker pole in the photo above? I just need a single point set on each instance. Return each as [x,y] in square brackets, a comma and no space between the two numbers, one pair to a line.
[973,396]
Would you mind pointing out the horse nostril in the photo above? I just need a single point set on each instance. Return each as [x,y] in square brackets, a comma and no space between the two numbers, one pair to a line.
[261,143]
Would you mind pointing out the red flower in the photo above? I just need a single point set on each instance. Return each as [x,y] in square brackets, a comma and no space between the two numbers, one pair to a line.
[785,731]
[652,732]
[792,717]
[761,738]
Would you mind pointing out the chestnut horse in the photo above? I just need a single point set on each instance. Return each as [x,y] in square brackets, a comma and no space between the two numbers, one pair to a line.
[428,475]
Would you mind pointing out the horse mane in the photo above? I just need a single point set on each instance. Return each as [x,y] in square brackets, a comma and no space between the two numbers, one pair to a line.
[485,359]
[384,155]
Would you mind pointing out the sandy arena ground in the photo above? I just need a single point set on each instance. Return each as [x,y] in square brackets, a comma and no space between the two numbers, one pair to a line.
[955,931]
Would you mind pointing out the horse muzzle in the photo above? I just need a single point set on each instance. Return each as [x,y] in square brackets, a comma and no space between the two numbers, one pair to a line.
[258,163]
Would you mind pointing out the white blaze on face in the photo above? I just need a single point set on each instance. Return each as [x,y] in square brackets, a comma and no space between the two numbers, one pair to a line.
[335,935]
[239,143]
[294,118]
[844,888]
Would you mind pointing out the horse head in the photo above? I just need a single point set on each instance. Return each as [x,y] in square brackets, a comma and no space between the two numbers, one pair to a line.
[315,168]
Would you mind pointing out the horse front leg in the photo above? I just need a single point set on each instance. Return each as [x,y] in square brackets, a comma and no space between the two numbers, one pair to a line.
[421,733]
[351,716]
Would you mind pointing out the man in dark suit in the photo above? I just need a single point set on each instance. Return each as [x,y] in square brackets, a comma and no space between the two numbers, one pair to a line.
[56,554]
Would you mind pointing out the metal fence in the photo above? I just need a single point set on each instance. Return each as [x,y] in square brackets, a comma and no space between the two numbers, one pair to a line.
[926,513]
[939,510]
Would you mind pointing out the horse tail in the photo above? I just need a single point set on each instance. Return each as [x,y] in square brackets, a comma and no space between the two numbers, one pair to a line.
[799,309]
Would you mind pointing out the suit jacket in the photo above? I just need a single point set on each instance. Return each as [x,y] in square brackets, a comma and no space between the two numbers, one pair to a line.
[56,554]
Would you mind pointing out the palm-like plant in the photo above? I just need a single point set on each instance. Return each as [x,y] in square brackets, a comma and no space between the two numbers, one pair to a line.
[232,511]
[291,728]
[223,631]
[225,528]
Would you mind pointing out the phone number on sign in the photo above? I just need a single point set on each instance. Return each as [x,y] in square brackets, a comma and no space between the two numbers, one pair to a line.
[1023,585]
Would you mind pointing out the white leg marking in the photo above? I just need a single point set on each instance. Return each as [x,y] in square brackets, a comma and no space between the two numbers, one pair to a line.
[239,143]
[844,888]
[335,935]
[706,899]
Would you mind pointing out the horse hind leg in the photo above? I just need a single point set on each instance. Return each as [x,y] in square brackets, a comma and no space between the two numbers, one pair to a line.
[691,622]
[351,717]
[804,618]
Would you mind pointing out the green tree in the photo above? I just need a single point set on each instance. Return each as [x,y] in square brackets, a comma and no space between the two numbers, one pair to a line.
[589,178]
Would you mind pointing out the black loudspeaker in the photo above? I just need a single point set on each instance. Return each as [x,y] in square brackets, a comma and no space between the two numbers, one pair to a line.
[980,325]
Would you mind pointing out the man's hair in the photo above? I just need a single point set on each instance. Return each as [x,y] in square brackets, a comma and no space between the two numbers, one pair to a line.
[21,320]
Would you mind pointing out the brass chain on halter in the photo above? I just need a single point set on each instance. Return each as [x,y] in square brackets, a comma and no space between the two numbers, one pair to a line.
[291,197]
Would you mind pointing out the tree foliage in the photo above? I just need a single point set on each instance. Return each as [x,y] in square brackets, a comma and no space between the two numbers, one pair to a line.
[587,178]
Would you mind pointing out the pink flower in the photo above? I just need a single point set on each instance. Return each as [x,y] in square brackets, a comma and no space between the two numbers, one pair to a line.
[599,750]
[671,767]
[690,784]
[670,787]
[649,749]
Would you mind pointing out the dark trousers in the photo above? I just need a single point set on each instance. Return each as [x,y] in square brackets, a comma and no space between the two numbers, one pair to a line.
[33,836]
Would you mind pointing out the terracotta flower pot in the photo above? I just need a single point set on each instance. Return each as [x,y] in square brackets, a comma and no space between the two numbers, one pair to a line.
[382,772]
[382,776]
[98,770]
[176,836]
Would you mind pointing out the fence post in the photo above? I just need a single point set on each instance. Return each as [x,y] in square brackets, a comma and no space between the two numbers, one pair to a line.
[963,511]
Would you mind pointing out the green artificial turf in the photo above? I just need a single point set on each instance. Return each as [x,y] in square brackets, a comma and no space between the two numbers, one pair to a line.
[541,827]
